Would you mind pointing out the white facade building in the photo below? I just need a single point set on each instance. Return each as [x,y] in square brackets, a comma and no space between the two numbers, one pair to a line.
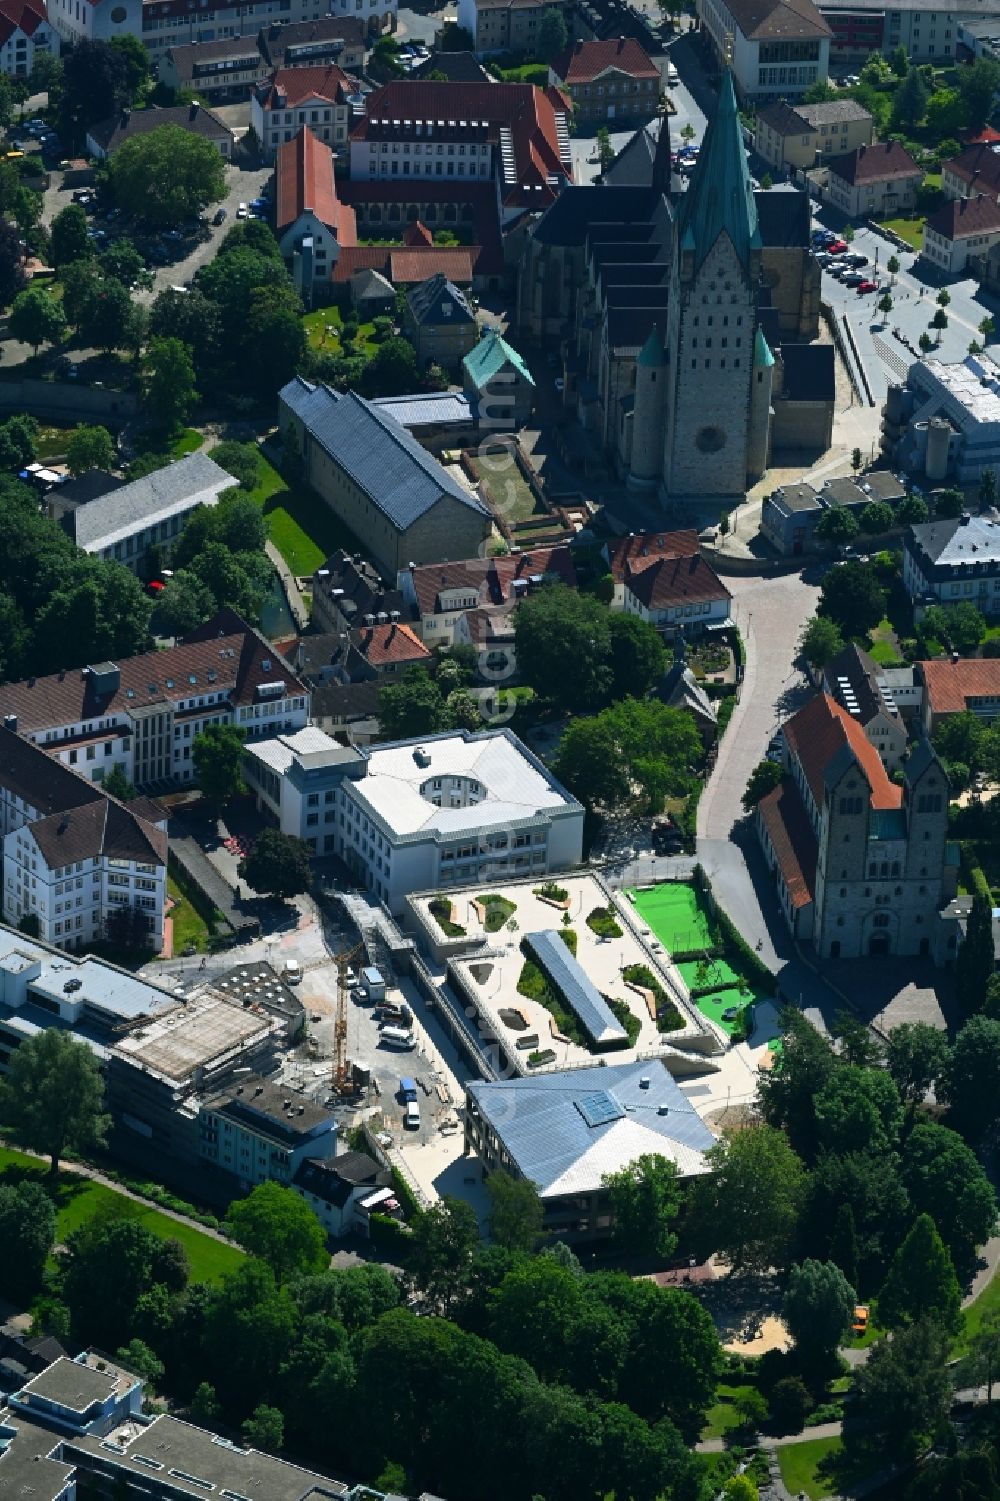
[775,49]
[25,32]
[96,20]
[415,815]
[948,419]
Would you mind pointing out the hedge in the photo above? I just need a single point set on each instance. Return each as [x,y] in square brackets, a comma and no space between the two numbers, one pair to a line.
[404,1193]
[733,941]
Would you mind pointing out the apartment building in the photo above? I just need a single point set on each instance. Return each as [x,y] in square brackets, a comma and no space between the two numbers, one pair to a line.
[143,713]
[25,33]
[874,180]
[797,138]
[961,229]
[294,98]
[502,25]
[927,30]
[171,23]
[973,172]
[612,80]
[71,854]
[259,1132]
[315,44]
[953,562]
[311,223]
[217,71]
[775,48]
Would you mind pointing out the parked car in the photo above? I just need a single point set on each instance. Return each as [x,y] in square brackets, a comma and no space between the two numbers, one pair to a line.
[241,212]
[859,1324]
[852,278]
[867,286]
[854,259]
[837,247]
[219,217]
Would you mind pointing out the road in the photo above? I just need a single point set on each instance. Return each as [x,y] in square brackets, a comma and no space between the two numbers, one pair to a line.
[914,294]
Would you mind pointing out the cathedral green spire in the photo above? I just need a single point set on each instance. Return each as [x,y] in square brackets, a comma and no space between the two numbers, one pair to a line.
[652,352]
[762,356]
[720,196]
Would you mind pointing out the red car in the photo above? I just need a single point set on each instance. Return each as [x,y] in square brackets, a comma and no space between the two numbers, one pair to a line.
[836,247]
[867,286]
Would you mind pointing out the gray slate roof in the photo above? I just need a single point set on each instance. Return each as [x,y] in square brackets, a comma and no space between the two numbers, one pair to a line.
[576,988]
[397,475]
[545,1132]
[195,480]
[438,300]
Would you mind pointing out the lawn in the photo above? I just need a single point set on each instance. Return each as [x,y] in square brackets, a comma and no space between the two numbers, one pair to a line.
[184,441]
[52,441]
[799,1465]
[722,1415]
[79,1200]
[987,1303]
[676,915]
[911,230]
[508,492]
[302,528]
[323,332]
[191,929]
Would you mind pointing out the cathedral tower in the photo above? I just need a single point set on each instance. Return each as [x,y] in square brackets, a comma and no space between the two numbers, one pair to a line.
[712,316]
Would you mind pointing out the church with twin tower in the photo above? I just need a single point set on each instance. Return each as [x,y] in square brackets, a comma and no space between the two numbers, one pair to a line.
[702,400]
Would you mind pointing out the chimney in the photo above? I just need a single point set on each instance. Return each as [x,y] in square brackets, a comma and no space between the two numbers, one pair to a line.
[10,723]
[193,110]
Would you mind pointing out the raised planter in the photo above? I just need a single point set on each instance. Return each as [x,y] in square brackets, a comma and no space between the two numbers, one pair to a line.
[539,1060]
[527,1042]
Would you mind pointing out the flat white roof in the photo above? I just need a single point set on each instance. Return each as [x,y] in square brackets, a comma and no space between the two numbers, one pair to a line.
[974,385]
[513,785]
[280,752]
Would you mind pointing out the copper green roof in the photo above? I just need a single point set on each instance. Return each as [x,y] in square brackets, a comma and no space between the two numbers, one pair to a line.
[720,198]
[652,352]
[762,355]
[489,356]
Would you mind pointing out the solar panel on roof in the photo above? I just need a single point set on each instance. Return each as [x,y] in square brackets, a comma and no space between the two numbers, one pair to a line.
[599,1108]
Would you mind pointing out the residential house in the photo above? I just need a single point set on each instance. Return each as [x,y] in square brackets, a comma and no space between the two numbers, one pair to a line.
[859,685]
[142,714]
[171,23]
[122,524]
[789,517]
[974,171]
[604,81]
[379,481]
[565,1132]
[512,134]
[347,711]
[966,685]
[414,815]
[104,139]
[953,562]
[927,31]
[345,589]
[961,229]
[311,223]
[796,138]
[663,578]
[775,48]
[314,43]
[439,322]
[874,181]
[367,270]
[370,653]
[503,25]
[25,33]
[861,864]
[216,71]
[295,97]
[496,377]
[343,1191]
[372,294]
[72,855]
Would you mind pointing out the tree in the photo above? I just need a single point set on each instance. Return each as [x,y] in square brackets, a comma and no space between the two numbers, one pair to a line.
[36,318]
[90,448]
[767,182]
[821,640]
[27,1235]
[217,755]
[109,1264]
[747,1207]
[837,525]
[392,369]
[276,1224]
[857,460]
[138,1357]
[68,237]
[765,776]
[740,1488]
[637,657]
[978,84]
[552,36]
[912,511]
[277,865]
[122,262]
[844,1244]
[909,104]
[93,87]
[817,1310]
[589,764]
[790,1404]
[12,274]
[971,1082]
[135,62]
[169,391]
[976,957]
[945,114]
[943,298]
[413,706]
[939,320]
[275,330]
[852,596]
[18,441]
[52,1095]
[559,625]
[242,460]
[645,1200]
[194,320]
[605,150]
[926,343]
[463,710]
[899,61]
[112,320]
[444,1238]
[884,304]
[858,1109]
[986,1350]
[205,1405]
[876,517]
[163,175]
[948,504]
[921,1282]
[516,1211]
[987,489]
[265,1429]
[788,1093]
[916,1056]
[904,1391]
[945,1179]
[892,266]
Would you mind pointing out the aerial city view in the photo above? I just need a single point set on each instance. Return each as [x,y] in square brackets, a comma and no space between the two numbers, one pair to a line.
[499,750]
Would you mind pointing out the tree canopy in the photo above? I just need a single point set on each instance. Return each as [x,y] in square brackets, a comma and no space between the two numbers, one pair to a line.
[53,1094]
[852,596]
[921,1282]
[276,1224]
[277,865]
[645,1200]
[217,757]
[163,175]
[747,1207]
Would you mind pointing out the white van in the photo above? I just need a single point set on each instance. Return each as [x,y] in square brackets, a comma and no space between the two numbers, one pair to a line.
[673,77]
[398,1037]
[411,1116]
[292,972]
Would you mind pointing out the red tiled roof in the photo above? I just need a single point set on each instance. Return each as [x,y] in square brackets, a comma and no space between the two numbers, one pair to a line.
[417,234]
[588,60]
[784,819]
[476,208]
[641,548]
[404,266]
[815,735]
[292,87]
[978,165]
[24,15]
[949,685]
[382,645]
[305,184]
[961,218]
[883,162]
[492,579]
[664,568]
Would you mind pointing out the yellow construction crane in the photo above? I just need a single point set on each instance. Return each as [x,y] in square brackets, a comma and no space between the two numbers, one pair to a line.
[340,1067]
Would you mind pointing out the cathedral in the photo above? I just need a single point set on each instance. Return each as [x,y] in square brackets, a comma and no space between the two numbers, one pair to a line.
[685,319]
